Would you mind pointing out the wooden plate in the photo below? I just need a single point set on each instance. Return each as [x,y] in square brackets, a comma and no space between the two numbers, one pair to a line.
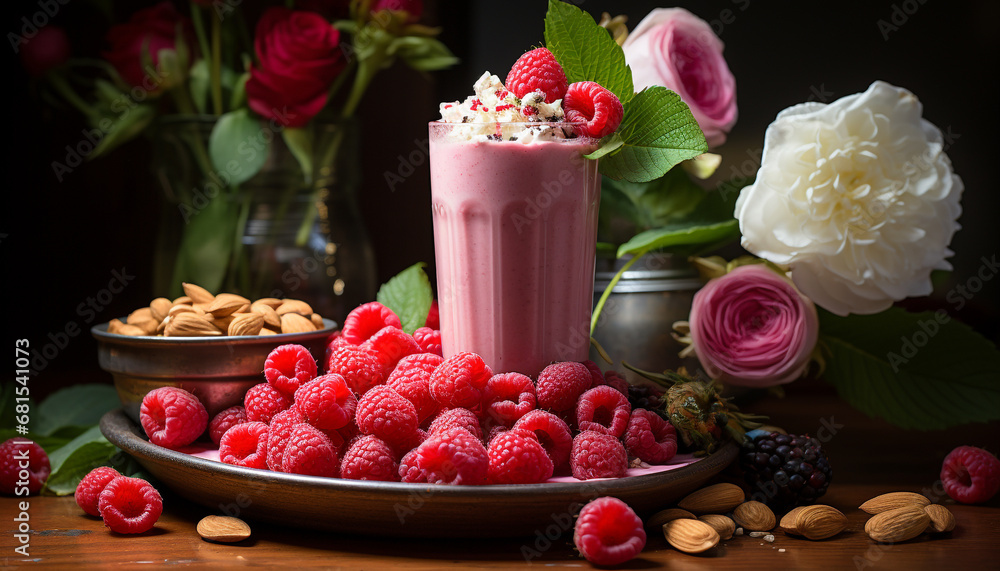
[395,508]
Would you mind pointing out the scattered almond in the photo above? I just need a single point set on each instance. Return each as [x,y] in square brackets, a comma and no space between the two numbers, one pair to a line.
[295,323]
[820,522]
[690,535]
[722,525]
[664,516]
[942,520]
[223,529]
[787,523]
[893,500]
[717,498]
[754,516]
[246,324]
[899,524]
[197,293]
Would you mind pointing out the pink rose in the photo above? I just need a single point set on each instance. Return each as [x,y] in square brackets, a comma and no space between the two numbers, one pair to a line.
[751,327]
[147,31]
[674,48]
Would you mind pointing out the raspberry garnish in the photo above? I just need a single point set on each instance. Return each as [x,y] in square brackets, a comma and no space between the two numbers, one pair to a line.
[650,438]
[537,70]
[369,458]
[225,420]
[509,396]
[361,368]
[608,532]
[326,402]
[366,320]
[971,475]
[598,109]
[172,417]
[433,320]
[382,412]
[411,379]
[309,452]
[561,384]
[392,344]
[460,381]
[12,453]
[429,340]
[552,432]
[516,457]
[245,445]
[457,418]
[597,455]
[288,366]
[130,505]
[603,409]
[279,430]
[88,491]
[454,456]
[263,401]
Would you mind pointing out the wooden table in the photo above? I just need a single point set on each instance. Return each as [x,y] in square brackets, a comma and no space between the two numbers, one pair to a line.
[869,458]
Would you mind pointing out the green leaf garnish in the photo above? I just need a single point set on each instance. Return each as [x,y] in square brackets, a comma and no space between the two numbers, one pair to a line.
[678,235]
[409,295]
[916,370]
[66,411]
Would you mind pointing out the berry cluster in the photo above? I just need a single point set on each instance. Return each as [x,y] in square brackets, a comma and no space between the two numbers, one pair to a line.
[127,505]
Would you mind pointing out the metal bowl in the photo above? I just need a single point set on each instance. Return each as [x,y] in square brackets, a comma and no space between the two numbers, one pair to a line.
[218,370]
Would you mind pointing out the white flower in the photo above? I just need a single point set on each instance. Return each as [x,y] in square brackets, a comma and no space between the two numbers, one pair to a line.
[857,197]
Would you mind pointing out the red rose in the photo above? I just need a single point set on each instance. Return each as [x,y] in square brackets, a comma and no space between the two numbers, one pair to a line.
[299,57]
[147,31]
[48,49]
[412,7]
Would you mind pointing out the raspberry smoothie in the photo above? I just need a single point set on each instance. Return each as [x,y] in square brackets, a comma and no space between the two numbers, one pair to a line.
[515,208]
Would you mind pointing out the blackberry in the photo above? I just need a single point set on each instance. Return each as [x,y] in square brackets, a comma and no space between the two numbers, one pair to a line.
[785,470]
[645,397]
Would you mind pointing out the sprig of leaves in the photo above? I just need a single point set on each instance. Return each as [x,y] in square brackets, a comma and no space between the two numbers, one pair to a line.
[409,296]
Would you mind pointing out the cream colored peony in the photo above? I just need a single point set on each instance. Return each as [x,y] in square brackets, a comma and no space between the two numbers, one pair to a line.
[857,197]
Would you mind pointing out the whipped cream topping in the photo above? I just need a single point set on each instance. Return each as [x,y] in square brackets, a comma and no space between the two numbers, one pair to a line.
[495,114]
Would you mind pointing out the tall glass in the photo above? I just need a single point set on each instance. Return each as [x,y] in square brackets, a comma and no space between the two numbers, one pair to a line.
[515,229]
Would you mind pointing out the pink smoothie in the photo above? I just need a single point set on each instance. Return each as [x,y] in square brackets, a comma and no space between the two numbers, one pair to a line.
[514,235]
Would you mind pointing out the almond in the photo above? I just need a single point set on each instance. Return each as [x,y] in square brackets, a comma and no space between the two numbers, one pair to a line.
[227,304]
[898,524]
[182,300]
[246,324]
[266,331]
[722,525]
[197,293]
[787,523]
[160,307]
[942,520]
[271,317]
[894,500]
[221,323]
[163,325]
[115,326]
[295,323]
[661,517]
[718,498]
[690,535]
[141,314]
[183,309]
[223,529]
[820,522]
[294,306]
[130,330]
[190,325]
[147,326]
[272,302]
[754,516]
[317,320]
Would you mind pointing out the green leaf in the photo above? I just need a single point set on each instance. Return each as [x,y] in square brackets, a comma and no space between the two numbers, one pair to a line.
[48,443]
[73,461]
[679,235]
[409,295]
[239,96]
[125,126]
[609,145]
[75,406]
[916,370]
[659,132]
[300,143]
[585,50]
[231,131]
[423,54]
[200,84]
[203,255]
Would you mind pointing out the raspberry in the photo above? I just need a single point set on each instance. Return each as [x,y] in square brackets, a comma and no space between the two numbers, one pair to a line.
[516,457]
[615,380]
[552,432]
[392,344]
[537,70]
[326,402]
[288,366]
[509,396]
[603,409]
[597,455]
[88,491]
[608,532]
[361,368]
[561,384]
[278,431]
[411,379]
[460,381]
[499,429]
[309,452]
[369,458]
[245,445]
[11,456]
[225,420]
[453,456]
[366,320]
[130,505]
[433,320]
[971,475]
[263,401]
[172,417]
[597,377]
[599,109]
[382,412]
[650,438]
[429,340]
[457,418]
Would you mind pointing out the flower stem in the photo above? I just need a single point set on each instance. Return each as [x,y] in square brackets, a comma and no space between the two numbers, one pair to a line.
[611,286]
[216,74]
[62,86]
[199,29]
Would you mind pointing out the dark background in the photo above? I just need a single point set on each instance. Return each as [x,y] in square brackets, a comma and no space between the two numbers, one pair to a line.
[62,240]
